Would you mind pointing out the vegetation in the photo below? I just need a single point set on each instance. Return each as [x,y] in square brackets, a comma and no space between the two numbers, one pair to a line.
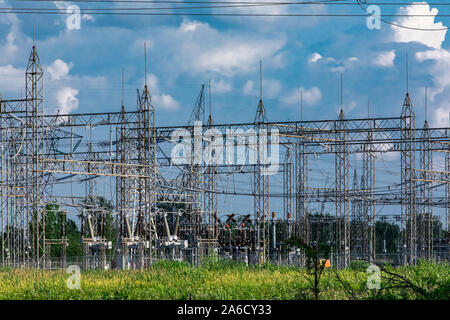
[315,266]
[228,280]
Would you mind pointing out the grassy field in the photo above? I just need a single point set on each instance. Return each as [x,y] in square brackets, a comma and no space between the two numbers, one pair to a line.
[213,280]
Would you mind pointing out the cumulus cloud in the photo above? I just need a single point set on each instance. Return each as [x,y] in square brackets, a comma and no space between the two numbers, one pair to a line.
[12,44]
[59,69]
[441,116]
[437,57]
[440,70]
[198,48]
[187,26]
[165,101]
[338,65]
[385,59]
[310,96]
[221,86]
[67,100]
[431,39]
[11,81]
[160,99]
[238,58]
[313,58]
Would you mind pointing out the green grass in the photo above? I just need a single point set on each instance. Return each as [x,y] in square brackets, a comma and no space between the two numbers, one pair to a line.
[219,280]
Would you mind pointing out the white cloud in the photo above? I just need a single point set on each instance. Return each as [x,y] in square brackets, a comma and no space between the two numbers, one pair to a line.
[221,86]
[11,81]
[235,58]
[431,39]
[165,101]
[12,45]
[201,49]
[67,100]
[187,25]
[440,71]
[59,69]
[441,116]
[385,59]
[313,58]
[310,96]
[339,65]
[161,100]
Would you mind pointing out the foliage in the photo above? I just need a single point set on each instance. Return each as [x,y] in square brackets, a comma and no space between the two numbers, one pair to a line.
[314,265]
[359,265]
[53,222]
[389,232]
[221,280]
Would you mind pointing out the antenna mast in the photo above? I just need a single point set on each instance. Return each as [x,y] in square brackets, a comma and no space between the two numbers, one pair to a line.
[260,80]
[123,87]
[145,62]
[407,73]
[341,93]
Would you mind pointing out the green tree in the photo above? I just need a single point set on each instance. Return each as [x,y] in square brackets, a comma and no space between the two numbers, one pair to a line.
[55,219]
[389,232]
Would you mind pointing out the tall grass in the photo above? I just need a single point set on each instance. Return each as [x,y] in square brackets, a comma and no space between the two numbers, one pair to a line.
[215,279]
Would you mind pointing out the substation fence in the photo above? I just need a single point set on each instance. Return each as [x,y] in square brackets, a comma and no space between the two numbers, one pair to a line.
[197,260]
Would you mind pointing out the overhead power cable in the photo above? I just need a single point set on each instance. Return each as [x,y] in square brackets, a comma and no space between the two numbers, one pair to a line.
[65,12]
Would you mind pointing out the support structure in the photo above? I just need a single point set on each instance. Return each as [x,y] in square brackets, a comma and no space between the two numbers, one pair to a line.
[151,207]
[408,195]
[261,185]
[342,240]
[425,216]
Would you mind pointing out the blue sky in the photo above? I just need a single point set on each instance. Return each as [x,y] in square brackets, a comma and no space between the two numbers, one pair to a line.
[299,54]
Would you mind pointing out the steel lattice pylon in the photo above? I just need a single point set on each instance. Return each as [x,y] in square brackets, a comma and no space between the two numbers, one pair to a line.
[357,223]
[288,175]
[261,185]
[41,154]
[408,163]
[447,195]
[342,194]
[31,171]
[368,194]
[301,182]
[425,217]
[211,195]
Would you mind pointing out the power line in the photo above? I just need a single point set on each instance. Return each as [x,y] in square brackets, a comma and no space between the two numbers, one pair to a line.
[197,2]
[322,2]
[3,10]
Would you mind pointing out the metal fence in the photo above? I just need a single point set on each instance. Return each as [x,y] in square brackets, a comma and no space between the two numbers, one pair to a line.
[193,259]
